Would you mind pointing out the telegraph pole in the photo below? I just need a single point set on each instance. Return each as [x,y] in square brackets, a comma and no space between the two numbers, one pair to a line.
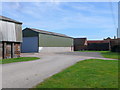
[118,30]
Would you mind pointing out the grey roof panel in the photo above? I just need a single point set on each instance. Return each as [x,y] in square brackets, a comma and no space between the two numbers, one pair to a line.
[47,32]
[9,19]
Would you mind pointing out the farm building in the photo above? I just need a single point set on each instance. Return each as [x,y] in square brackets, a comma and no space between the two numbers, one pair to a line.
[98,45]
[35,40]
[80,44]
[114,44]
[84,44]
[10,37]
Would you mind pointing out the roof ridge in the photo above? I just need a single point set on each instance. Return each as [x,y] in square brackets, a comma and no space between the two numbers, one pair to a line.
[48,32]
[9,19]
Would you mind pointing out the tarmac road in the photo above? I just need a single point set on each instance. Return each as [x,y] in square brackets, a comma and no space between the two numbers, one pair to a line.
[28,74]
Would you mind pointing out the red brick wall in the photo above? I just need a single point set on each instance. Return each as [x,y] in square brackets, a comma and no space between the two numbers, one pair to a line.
[8,50]
[17,50]
[11,50]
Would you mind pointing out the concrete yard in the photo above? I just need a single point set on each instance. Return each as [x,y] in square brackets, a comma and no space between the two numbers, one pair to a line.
[84,54]
[28,74]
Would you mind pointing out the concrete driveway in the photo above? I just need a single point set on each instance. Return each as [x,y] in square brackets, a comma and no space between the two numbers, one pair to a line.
[29,74]
[83,54]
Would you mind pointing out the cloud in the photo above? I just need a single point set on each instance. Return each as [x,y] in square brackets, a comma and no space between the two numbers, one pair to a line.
[1,8]
[58,16]
[11,5]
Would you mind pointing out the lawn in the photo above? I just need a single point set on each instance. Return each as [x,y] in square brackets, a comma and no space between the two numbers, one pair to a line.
[20,59]
[107,54]
[92,73]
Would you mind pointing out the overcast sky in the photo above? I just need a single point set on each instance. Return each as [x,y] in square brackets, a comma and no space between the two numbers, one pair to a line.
[94,20]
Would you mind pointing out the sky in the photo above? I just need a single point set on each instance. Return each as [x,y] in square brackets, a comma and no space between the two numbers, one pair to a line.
[94,20]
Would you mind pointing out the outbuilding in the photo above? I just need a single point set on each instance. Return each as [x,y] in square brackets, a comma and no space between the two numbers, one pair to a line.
[10,37]
[95,45]
[80,44]
[98,45]
[35,40]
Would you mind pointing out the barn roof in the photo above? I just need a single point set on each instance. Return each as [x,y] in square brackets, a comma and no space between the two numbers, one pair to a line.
[3,18]
[80,41]
[47,32]
[98,41]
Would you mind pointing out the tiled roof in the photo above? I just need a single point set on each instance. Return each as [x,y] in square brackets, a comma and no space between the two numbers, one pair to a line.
[98,41]
[9,19]
[47,32]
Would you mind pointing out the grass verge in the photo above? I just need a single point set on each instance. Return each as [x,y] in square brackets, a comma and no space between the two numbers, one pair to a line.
[92,73]
[20,59]
[107,54]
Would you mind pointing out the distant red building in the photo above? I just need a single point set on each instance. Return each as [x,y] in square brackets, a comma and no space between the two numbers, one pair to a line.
[114,44]
[97,41]
[98,45]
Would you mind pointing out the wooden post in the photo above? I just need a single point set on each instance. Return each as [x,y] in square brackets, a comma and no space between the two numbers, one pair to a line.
[12,50]
[4,50]
[109,45]
[71,48]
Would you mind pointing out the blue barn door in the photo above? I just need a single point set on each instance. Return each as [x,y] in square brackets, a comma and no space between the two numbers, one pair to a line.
[29,45]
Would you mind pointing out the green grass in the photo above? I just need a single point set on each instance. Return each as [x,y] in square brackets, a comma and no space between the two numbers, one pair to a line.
[88,51]
[92,73]
[107,54]
[20,59]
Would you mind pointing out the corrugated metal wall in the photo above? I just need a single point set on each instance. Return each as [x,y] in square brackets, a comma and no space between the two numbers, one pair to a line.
[0,32]
[29,33]
[30,44]
[18,29]
[33,41]
[10,31]
[1,36]
[46,40]
[0,50]
[54,41]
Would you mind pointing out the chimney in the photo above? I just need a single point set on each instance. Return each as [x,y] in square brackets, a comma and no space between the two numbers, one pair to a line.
[114,37]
